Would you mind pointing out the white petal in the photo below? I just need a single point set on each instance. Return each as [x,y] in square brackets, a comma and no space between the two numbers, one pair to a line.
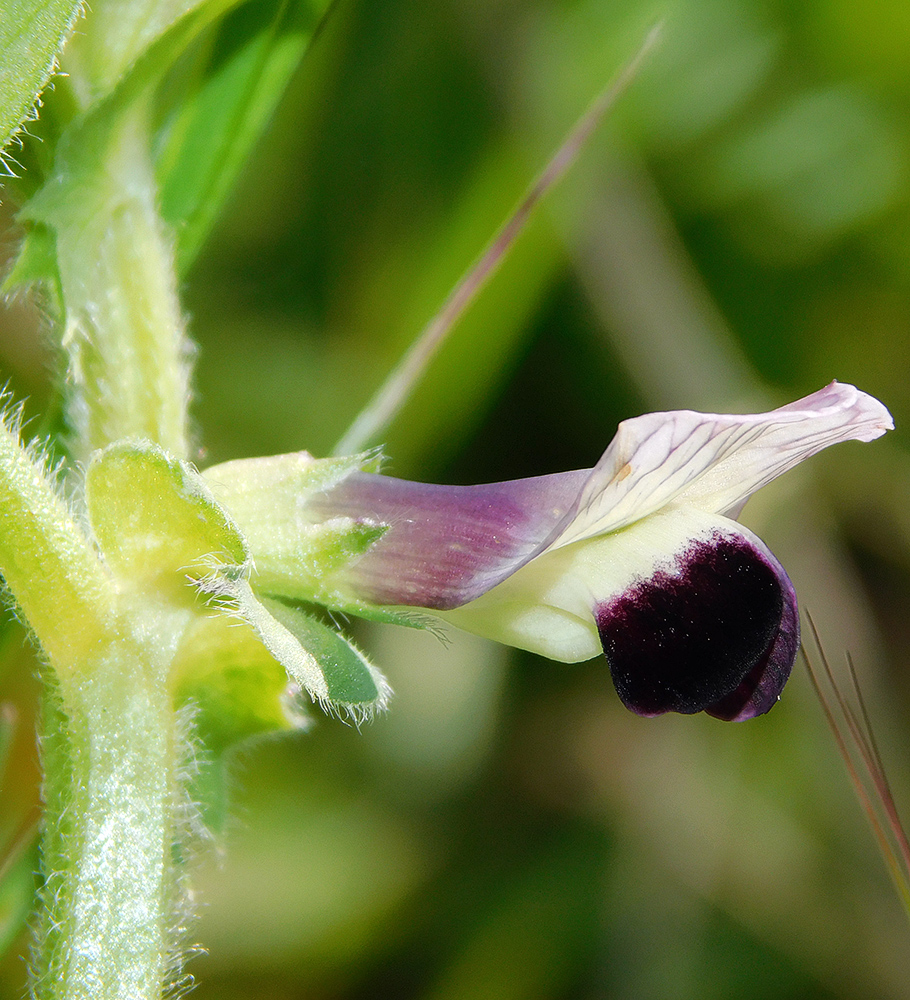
[548,605]
[714,461]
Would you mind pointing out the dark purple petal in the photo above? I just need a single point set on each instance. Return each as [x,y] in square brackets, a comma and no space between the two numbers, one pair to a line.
[715,631]
[760,690]
[447,545]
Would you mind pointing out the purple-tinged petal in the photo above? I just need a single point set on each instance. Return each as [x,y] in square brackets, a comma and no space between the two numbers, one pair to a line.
[446,545]
[442,547]
[711,461]
[717,631]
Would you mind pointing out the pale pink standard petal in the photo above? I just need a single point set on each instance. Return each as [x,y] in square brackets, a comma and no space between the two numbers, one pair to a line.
[712,461]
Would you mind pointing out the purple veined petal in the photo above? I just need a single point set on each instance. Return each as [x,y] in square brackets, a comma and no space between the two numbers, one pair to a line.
[446,545]
[714,461]
[691,609]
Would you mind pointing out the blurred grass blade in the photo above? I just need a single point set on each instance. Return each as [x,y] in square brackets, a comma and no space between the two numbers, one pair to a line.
[231,101]
[18,850]
[31,36]
[7,733]
[857,746]
[393,393]
[877,769]
[17,888]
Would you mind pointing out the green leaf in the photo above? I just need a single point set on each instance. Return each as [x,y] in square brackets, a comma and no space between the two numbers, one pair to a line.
[85,144]
[335,673]
[222,114]
[350,678]
[37,265]
[154,517]
[238,688]
[31,35]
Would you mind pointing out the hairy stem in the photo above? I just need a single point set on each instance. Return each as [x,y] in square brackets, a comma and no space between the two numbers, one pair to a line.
[110,921]
[123,328]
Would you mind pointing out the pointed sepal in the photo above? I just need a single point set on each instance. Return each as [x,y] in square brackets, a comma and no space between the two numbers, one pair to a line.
[335,674]
[299,552]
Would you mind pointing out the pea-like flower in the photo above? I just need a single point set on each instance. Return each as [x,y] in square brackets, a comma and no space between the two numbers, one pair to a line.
[640,556]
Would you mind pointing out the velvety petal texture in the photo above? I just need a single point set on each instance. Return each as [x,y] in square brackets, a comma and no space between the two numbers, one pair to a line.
[717,629]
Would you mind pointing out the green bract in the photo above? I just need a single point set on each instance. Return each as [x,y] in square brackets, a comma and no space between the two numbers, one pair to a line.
[176,550]
[154,519]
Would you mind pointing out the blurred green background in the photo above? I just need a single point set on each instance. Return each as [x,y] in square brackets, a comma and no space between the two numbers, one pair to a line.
[737,235]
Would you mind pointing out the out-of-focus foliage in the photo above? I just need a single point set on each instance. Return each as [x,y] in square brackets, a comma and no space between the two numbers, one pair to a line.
[739,233]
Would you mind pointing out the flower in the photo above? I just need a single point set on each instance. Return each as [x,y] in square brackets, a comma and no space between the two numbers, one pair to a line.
[640,557]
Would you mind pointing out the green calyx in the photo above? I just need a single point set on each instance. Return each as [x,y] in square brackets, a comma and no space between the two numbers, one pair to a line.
[168,540]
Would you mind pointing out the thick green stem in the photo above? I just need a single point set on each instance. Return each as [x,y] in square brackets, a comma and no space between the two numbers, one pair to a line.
[110,921]
[128,355]
[109,927]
